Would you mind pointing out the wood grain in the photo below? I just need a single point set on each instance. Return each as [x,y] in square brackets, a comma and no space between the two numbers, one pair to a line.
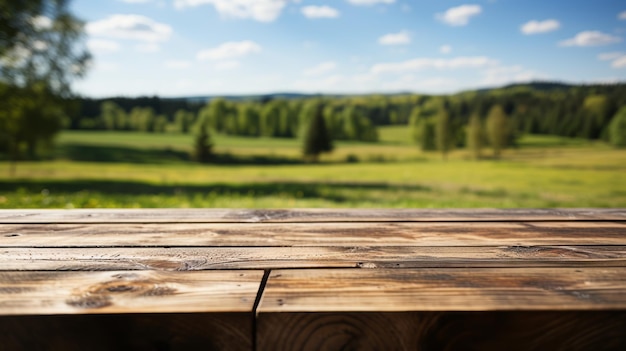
[510,330]
[204,258]
[444,289]
[303,215]
[320,234]
[140,332]
[44,293]
[409,279]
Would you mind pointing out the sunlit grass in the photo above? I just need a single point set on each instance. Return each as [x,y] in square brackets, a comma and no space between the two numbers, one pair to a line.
[542,172]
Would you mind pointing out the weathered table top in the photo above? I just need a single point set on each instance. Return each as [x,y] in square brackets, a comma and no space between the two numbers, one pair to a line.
[312,279]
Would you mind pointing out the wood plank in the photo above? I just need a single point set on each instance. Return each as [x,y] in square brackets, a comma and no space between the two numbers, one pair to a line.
[44,293]
[303,215]
[444,289]
[141,332]
[320,234]
[185,259]
[480,331]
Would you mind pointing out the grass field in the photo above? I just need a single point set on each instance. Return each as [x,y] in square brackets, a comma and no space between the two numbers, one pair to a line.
[107,169]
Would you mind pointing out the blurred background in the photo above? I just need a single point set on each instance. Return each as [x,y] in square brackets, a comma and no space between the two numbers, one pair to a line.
[306,103]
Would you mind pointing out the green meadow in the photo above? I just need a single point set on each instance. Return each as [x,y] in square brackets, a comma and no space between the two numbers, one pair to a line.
[131,169]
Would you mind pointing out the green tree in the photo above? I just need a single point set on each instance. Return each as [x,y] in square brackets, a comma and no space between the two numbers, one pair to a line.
[113,117]
[277,119]
[443,134]
[160,124]
[617,129]
[218,111]
[184,120]
[422,126]
[317,138]
[41,53]
[248,120]
[203,146]
[143,119]
[597,113]
[475,135]
[497,129]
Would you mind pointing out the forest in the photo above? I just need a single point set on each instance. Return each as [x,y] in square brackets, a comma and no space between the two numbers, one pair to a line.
[537,108]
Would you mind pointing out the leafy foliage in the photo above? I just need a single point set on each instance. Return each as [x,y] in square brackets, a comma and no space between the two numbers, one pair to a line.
[203,147]
[40,55]
[317,139]
[497,130]
[617,129]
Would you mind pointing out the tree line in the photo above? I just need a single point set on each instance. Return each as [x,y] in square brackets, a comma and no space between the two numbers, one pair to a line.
[538,108]
[274,118]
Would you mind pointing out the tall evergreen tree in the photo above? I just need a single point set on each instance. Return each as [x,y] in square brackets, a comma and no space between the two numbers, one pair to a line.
[317,138]
[497,129]
[203,147]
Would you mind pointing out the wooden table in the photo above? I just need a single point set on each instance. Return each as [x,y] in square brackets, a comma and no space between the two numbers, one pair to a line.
[211,279]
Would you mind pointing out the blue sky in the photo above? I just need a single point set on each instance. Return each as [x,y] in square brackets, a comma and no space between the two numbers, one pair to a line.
[200,47]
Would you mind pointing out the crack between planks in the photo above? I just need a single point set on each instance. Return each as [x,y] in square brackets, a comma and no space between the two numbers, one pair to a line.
[257,301]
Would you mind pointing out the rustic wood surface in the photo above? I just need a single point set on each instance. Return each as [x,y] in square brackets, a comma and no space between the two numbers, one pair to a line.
[445,289]
[313,279]
[40,293]
[318,234]
[303,215]
[202,258]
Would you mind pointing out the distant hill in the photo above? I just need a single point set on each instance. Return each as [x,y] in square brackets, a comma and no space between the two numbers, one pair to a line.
[536,86]
[544,86]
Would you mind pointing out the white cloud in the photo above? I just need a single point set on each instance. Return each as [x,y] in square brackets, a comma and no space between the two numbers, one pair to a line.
[319,12]
[320,69]
[608,56]
[230,50]
[102,45]
[370,2]
[148,47]
[445,49]
[460,15]
[135,27]
[622,15]
[226,65]
[259,10]
[591,38]
[536,27]
[419,64]
[619,62]
[177,64]
[400,38]
[618,58]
